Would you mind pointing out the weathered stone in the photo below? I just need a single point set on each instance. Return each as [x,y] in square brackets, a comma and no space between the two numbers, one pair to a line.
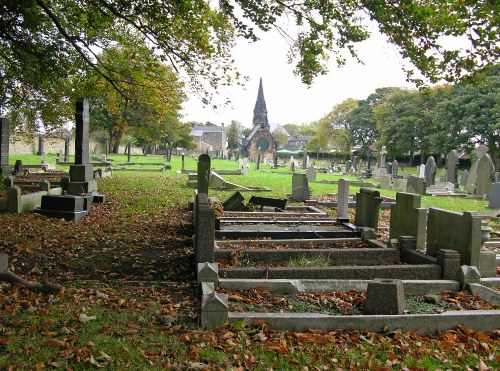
[208,272]
[386,182]
[14,200]
[234,202]
[343,199]
[18,168]
[385,296]
[395,168]
[399,184]
[455,231]
[449,260]
[367,208]
[8,181]
[204,173]
[430,171]
[463,178]
[267,201]
[4,143]
[470,185]
[494,196]
[311,174]
[468,274]
[452,166]
[214,310]
[485,170]
[487,263]
[300,188]
[415,185]
[408,218]
[204,229]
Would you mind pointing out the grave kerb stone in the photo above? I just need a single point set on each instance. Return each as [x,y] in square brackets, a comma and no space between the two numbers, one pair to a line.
[385,296]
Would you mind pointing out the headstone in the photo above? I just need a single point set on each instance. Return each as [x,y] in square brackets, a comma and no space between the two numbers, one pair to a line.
[66,148]
[129,150]
[300,188]
[183,164]
[343,199]
[244,168]
[204,228]
[305,159]
[234,202]
[347,166]
[494,196]
[463,177]
[279,203]
[399,184]
[415,185]
[443,177]
[292,166]
[481,150]
[485,169]
[421,171]
[18,168]
[395,168]
[81,174]
[367,208]
[258,162]
[40,145]
[4,143]
[65,206]
[369,160]
[470,185]
[430,171]
[59,157]
[408,218]
[204,171]
[311,174]
[355,163]
[106,148]
[386,182]
[381,157]
[275,160]
[452,166]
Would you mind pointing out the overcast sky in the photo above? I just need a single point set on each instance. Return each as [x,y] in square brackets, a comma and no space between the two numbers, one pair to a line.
[288,100]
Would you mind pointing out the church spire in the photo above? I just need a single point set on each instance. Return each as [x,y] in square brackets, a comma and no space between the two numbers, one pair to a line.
[260,110]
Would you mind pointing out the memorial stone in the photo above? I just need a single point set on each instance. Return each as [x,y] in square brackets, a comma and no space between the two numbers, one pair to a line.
[494,196]
[452,167]
[257,165]
[415,185]
[66,148]
[40,145]
[4,143]
[470,184]
[385,182]
[245,166]
[203,173]
[395,168]
[18,168]
[129,150]
[347,166]
[485,169]
[481,150]
[300,188]
[443,176]
[343,199]
[367,208]
[311,174]
[355,163]
[421,171]
[430,171]
[463,178]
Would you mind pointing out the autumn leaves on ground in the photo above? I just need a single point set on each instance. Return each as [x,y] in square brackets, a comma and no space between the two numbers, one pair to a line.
[130,300]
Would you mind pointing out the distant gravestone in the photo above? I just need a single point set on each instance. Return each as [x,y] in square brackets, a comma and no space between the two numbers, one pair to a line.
[257,165]
[430,171]
[381,157]
[452,166]
[4,143]
[355,163]
[399,184]
[245,166]
[415,185]
[40,145]
[395,168]
[367,208]
[81,174]
[481,150]
[66,148]
[311,174]
[463,178]
[275,160]
[106,148]
[183,162]
[129,150]
[485,169]
[494,196]
[348,166]
[59,157]
[343,199]
[300,188]
[421,171]
[305,159]
[18,168]
[408,218]
[443,176]
[203,173]
[470,184]
[385,182]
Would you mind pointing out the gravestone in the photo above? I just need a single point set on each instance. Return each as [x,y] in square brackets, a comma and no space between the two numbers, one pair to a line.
[66,148]
[443,176]
[343,199]
[65,206]
[18,168]
[279,203]
[300,188]
[244,168]
[106,148]
[305,159]
[452,167]
[204,171]
[470,184]
[311,174]
[399,184]
[395,168]
[81,174]
[257,165]
[463,178]
[381,157]
[494,196]
[40,145]
[234,202]
[421,171]
[4,144]
[347,166]
[129,150]
[183,163]
[408,218]
[415,185]
[355,163]
[385,297]
[485,169]
[275,160]
[481,150]
[59,157]
[367,208]
[430,171]
[385,182]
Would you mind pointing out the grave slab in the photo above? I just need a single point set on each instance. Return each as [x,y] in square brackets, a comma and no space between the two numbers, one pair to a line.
[4,262]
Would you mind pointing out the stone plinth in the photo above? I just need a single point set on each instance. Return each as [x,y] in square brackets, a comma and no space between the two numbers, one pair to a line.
[385,296]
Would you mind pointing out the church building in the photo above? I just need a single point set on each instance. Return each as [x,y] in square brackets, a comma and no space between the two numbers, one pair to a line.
[260,139]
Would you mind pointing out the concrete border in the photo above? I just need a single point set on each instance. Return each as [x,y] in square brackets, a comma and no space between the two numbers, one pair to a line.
[425,324]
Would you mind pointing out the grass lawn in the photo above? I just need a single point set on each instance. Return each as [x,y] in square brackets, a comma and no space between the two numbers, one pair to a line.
[130,300]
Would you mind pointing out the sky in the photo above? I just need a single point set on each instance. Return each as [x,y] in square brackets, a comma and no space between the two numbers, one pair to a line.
[288,100]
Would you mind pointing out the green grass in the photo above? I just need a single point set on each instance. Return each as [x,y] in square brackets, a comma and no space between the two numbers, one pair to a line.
[304,262]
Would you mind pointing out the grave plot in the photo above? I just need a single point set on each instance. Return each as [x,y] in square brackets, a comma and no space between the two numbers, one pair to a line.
[394,280]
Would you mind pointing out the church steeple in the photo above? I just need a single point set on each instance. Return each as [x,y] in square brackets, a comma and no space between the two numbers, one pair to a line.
[260,110]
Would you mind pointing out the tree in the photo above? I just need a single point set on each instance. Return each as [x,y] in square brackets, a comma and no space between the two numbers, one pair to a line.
[153,102]
[233,136]
[334,126]
[43,42]
[469,114]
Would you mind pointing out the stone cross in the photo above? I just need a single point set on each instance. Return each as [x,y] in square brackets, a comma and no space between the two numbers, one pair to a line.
[383,152]
[4,142]
[430,171]
[82,132]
